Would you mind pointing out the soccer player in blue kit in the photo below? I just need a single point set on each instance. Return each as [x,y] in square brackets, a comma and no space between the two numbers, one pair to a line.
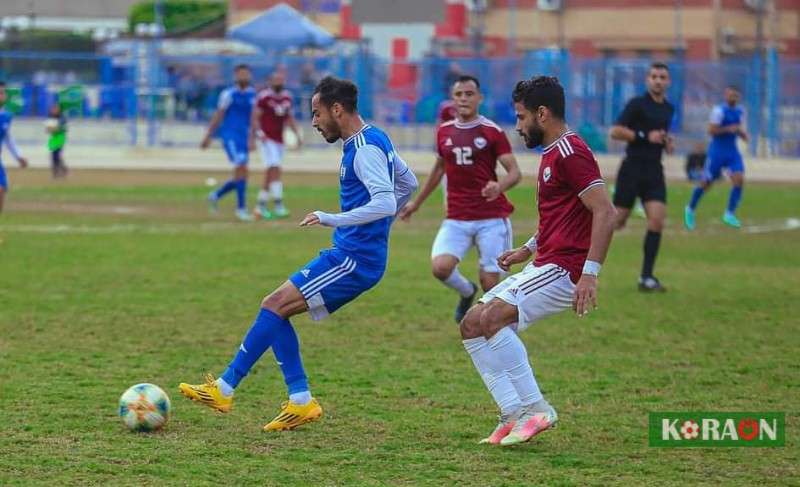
[374,183]
[232,119]
[7,141]
[725,126]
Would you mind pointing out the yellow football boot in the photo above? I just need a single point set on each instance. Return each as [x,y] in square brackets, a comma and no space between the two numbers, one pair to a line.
[207,394]
[293,415]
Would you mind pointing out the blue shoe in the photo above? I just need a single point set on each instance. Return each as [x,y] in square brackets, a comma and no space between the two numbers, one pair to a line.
[730,219]
[688,218]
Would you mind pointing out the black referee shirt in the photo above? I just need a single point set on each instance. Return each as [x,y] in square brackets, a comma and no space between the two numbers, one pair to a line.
[643,114]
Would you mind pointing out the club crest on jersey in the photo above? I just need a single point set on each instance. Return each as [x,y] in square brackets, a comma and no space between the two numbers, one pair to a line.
[480,142]
[448,142]
[546,174]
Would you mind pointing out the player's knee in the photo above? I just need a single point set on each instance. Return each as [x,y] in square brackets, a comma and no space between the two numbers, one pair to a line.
[441,270]
[275,301]
[655,224]
[470,325]
[491,320]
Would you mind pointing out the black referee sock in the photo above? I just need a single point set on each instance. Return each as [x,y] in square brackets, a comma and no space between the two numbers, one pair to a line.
[652,240]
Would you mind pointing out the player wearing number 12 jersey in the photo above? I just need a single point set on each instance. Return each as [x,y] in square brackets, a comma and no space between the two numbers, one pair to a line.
[468,150]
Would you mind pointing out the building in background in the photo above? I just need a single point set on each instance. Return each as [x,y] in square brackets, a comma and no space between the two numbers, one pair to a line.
[701,29]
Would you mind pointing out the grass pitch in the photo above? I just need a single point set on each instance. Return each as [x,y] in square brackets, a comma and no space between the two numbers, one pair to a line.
[114,278]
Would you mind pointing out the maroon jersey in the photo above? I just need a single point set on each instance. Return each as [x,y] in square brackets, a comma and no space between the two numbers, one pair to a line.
[447,111]
[275,110]
[567,170]
[470,151]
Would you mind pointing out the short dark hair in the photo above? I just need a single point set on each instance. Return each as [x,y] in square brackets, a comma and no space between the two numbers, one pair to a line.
[659,65]
[241,66]
[541,91]
[334,90]
[466,78]
[2,83]
[734,88]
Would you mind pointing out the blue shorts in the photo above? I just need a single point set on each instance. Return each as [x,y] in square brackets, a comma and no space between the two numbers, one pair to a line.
[332,280]
[236,149]
[715,162]
[3,179]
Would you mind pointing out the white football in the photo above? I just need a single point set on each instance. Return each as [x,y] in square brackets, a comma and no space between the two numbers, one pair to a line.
[144,407]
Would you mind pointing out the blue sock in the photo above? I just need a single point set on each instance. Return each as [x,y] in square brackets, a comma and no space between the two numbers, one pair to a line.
[241,191]
[229,185]
[696,195]
[734,198]
[287,352]
[257,340]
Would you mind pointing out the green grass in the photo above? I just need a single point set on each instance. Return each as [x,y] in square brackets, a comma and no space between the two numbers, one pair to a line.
[93,301]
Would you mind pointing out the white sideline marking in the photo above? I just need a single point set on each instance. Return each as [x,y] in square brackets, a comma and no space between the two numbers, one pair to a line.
[787,225]
[107,229]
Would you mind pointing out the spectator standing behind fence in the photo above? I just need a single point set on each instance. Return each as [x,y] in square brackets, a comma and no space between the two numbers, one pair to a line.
[56,126]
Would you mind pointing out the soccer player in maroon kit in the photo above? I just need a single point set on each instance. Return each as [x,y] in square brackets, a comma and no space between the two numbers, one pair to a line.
[468,150]
[576,223]
[272,111]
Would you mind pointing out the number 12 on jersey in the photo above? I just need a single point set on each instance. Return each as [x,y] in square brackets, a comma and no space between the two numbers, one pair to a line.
[463,155]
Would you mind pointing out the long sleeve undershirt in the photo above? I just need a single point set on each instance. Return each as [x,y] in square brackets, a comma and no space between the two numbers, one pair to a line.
[386,191]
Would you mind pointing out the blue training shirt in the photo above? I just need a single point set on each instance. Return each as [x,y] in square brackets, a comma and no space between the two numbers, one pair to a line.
[725,115]
[238,105]
[368,243]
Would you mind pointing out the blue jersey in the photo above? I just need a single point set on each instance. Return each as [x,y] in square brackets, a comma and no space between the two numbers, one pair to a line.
[367,243]
[238,105]
[725,115]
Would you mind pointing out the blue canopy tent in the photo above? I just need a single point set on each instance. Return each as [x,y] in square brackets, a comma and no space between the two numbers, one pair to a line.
[279,28]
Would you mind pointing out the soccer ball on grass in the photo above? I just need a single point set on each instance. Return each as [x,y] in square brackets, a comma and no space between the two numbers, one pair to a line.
[144,407]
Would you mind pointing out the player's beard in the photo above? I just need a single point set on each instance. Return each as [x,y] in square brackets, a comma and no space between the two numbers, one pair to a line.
[534,137]
[331,133]
[277,88]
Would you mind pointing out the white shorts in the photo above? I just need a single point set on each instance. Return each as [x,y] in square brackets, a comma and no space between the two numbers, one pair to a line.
[271,152]
[537,292]
[492,237]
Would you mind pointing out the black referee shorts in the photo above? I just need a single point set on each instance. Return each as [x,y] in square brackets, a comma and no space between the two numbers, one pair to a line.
[644,179]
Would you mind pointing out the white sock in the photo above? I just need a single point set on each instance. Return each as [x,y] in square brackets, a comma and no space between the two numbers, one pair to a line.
[263,197]
[300,398]
[224,387]
[496,380]
[276,190]
[514,359]
[460,283]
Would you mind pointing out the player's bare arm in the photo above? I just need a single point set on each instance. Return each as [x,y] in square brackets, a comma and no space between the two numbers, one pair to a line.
[430,185]
[493,189]
[603,215]
[255,115]
[292,123]
[216,119]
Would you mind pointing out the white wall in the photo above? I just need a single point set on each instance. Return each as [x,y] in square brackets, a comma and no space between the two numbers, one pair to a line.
[419,37]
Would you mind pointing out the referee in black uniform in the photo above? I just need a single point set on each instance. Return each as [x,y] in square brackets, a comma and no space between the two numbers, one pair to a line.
[644,124]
